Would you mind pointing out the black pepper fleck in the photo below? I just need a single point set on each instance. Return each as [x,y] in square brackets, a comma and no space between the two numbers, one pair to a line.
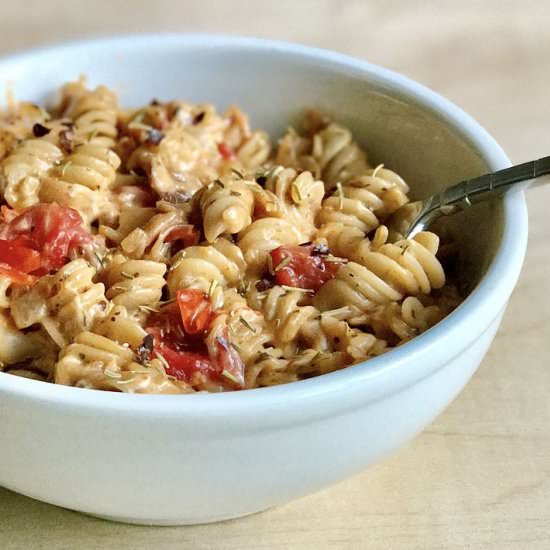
[145,349]
[199,117]
[264,284]
[38,130]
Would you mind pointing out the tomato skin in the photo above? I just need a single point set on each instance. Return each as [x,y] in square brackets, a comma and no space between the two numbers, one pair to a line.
[177,335]
[195,310]
[183,364]
[224,356]
[50,229]
[192,339]
[18,255]
[229,362]
[185,233]
[302,267]
[17,277]
[226,152]
[7,214]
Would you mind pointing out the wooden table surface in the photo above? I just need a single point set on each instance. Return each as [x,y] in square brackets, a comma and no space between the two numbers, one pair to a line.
[479,476]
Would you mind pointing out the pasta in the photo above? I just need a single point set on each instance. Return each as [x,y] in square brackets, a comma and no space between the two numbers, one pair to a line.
[82,181]
[264,235]
[94,113]
[226,207]
[94,361]
[145,233]
[134,283]
[297,198]
[21,172]
[362,202]
[172,249]
[386,274]
[121,326]
[330,153]
[64,303]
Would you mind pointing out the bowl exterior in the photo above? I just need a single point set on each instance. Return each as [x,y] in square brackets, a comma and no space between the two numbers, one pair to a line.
[170,474]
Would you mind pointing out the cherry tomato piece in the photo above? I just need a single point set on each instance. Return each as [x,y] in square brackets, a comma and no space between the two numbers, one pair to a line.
[195,310]
[17,277]
[226,152]
[302,266]
[18,255]
[183,364]
[185,233]
[225,357]
[52,230]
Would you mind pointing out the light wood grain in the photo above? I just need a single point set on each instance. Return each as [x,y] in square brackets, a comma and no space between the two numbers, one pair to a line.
[479,476]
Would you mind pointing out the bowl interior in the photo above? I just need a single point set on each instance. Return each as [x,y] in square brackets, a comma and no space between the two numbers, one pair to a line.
[274,87]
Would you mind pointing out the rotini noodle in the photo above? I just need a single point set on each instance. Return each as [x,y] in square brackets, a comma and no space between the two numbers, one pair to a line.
[298,197]
[265,234]
[22,171]
[64,303]
[226,207]
[121,326]
[330,154]
[362,202]
[207,267]
[134,283]
[387,274]
[94,114]
[94,361]
[82,182]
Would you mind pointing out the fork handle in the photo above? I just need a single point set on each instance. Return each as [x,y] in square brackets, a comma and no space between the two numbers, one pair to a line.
[488,186]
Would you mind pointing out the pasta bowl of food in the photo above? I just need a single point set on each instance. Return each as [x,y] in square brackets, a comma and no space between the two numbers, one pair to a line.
[205,311]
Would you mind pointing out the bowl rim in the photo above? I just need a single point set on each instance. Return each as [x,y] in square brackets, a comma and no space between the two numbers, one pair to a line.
[377,376]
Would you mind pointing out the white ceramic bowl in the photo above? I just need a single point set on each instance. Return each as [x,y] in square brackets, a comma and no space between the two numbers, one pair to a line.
[201,458]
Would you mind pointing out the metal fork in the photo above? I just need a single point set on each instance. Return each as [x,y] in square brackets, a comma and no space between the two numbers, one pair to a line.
[417,216]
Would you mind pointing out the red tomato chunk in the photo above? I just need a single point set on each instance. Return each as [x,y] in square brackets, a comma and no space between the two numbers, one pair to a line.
[183,364]
[226,152]
[177,332]
[42,237]
[195,310]
[302,266]
[19,255]
[16,276]
[185,233]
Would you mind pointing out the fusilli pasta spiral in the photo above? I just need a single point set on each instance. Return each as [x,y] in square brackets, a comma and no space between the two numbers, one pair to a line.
[134,283]
[298,197]
[64,303]
[226,207]
[363,201]
[94,361]
[94,113]
[387,274]
[330,154]
[265,234]
[82,182]
[206,267]
[22,171]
